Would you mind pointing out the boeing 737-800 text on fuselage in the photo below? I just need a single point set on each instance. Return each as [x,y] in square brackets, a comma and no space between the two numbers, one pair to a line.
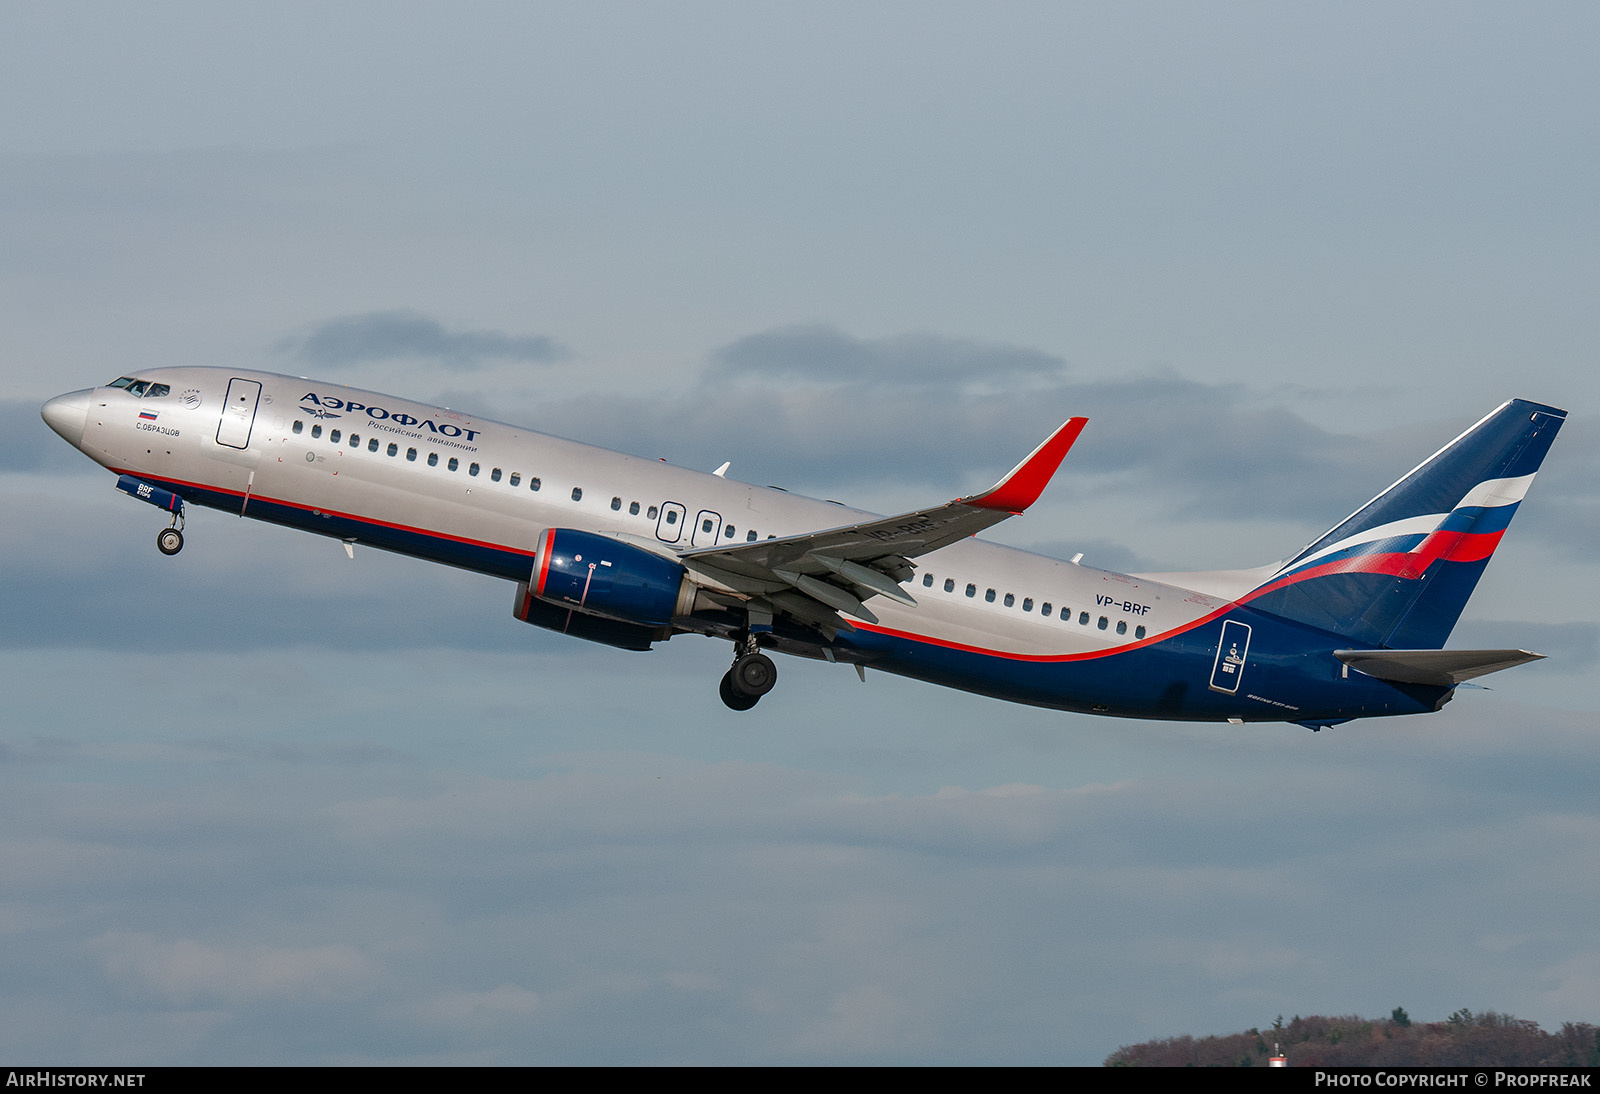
[629,551]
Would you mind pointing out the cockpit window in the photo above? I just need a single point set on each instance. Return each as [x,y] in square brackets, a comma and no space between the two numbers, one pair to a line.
[144,389]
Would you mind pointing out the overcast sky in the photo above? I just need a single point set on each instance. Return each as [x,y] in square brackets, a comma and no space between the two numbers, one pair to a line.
[266,804]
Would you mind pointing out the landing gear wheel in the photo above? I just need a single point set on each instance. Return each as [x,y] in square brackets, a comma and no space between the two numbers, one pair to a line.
[754,674]
[733,699]
[169,541]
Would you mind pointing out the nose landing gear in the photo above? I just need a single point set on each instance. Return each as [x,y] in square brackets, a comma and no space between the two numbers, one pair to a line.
[169,541]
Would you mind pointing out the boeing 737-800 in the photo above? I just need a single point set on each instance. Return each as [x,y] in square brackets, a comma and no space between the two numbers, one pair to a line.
[629,551]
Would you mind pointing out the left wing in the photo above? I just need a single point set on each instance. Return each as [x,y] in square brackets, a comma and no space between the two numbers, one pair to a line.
[814,575]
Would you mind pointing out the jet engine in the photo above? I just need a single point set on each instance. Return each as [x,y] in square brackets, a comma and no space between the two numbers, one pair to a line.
[600,576]
[609,632]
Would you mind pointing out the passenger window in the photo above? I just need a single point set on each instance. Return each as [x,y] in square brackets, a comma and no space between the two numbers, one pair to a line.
[705,525]
[1010,600]
[453,464]
[949,584]
[298,426]
[316,431]
[433,459]
[1122,626]
[473,470]
[1138,632]
[927,581]
[988,596]
[1044,609]
[411,454]
[972,590]
[355,440]
[494,476]
[633,508]
[394,449]
[616,505]
[577,493]
[672,516]
[1083,619]
[516,478]
[1102,624]
[334,436]
[750,536]
[372,446]
[727,532]
[534,483]
[1027,604]
[651,512]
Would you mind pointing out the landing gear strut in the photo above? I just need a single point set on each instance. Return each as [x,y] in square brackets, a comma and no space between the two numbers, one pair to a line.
[169,541]
[753,674]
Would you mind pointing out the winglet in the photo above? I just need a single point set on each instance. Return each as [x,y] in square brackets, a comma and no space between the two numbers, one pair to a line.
[1022,487]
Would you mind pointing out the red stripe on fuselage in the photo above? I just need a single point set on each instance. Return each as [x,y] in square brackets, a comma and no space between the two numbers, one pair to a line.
[331,512]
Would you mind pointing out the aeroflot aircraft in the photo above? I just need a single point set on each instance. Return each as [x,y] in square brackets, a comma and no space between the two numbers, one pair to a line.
[629,551]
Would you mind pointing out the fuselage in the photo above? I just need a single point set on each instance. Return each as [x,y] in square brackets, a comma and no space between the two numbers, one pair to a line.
[454,488]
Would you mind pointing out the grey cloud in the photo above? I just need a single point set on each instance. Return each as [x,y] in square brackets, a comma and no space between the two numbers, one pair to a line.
[647,908]
[1207,449]
[91,557]
[27,444]
[817,351]
[1568,647]
[388,335]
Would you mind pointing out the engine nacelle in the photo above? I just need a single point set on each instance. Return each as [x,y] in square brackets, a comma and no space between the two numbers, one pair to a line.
[594,628]
[602,576]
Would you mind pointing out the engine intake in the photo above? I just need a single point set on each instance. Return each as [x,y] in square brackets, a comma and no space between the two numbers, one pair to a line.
[602,576]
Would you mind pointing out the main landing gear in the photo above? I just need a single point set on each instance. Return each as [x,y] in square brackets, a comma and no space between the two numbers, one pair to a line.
[753,674]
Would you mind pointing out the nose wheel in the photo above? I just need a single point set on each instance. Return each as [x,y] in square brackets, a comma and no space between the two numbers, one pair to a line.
[170,541]
[751,677]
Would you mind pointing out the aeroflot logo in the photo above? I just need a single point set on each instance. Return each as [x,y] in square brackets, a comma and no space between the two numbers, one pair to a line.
[323,406]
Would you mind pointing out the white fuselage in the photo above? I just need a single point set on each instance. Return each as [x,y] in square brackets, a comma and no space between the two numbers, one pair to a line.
[398,474]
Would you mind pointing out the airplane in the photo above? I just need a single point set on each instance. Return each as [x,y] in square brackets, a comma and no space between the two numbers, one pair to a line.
[628,552]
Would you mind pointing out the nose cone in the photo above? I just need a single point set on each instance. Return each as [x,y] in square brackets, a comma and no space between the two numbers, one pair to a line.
[67,414]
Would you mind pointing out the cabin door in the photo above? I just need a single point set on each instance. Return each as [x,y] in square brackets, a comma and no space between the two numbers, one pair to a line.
[238,413]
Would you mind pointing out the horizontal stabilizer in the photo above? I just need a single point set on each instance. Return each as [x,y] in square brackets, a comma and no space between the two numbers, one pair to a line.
[1440,668]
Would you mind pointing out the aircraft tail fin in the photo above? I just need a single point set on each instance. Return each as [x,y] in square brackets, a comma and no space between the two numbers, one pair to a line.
[1397,572]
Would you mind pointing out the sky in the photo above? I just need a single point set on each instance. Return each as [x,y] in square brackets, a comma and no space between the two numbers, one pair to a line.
[266,804]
